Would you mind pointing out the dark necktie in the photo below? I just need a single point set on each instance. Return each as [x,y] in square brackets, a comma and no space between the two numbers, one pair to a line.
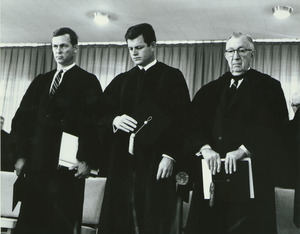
[55,83]
[141,79]
[233,88]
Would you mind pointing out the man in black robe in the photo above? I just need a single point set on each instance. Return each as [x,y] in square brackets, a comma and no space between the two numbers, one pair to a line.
[294,146]
[62,100]
[140,195]
[239,115]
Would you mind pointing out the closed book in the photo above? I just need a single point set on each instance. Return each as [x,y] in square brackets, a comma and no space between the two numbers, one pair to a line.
[68,151]
[237,186]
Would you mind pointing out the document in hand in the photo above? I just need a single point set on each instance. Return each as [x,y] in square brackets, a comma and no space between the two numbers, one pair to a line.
[68,151]
[237,186]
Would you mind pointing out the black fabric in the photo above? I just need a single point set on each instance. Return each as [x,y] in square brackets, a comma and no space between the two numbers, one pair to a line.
[131,180]
[254,118]
[7,161]
[53,199]
[155,127]
[290,171]
[296,139]
[232,187]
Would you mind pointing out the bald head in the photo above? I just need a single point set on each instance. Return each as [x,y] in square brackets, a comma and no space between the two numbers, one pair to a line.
[296,101]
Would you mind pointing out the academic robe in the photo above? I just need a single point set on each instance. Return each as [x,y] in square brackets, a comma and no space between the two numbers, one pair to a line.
[53,198]
[254,117]
[295,127]
[292,171]
[7,163]
[133,198]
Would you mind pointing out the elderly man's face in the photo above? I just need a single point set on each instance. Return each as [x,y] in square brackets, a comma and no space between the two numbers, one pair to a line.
[239,62]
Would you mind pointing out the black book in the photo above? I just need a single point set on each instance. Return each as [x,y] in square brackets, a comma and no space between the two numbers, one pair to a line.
[237,186]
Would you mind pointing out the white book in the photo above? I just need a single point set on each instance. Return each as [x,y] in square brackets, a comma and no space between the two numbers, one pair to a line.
[207,177]
[68,151]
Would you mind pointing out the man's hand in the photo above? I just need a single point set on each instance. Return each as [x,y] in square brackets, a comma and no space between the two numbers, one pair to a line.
[19,165]
[83,170]
[165,168]
[231,159]
[125,123]
[213,160]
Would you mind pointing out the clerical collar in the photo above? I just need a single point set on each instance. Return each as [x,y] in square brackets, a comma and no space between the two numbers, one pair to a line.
[148,65]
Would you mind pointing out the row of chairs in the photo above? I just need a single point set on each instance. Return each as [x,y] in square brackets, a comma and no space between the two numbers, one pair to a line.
[93,197]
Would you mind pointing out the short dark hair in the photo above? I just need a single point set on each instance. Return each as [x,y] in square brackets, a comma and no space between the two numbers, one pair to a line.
[144,29]
[63,31]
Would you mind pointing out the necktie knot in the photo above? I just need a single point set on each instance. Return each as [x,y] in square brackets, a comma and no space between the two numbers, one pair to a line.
[236,81]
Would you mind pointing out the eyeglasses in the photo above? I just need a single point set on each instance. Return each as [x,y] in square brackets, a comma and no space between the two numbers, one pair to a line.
[240,51]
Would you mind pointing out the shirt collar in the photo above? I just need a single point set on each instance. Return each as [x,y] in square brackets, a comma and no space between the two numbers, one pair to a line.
[148,65]
[67,67]
[239,81]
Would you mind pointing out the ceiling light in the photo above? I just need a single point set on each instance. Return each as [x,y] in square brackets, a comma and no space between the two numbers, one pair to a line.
[101,18]
[282,12]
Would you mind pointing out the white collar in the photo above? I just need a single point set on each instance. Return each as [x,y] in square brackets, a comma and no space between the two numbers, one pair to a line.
[67,67]
[148,65]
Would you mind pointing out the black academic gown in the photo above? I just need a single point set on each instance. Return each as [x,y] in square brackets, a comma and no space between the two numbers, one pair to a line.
[292,171]
[133,197]
[7,163]
[53,198]
[253,118]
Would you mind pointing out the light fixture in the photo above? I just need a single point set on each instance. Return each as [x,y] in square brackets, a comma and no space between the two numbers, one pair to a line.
[101,18]
[282,12]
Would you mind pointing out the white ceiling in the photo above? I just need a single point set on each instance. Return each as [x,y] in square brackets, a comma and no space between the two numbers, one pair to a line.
[33,21]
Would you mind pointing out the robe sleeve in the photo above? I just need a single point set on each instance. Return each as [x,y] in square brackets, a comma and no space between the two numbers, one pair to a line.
[88,148]
[24,122]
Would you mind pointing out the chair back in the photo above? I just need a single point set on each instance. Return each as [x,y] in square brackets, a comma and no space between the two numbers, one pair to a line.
[93,197]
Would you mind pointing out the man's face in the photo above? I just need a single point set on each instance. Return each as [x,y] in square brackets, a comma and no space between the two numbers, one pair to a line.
[239,63]
[140,52]
[63,51]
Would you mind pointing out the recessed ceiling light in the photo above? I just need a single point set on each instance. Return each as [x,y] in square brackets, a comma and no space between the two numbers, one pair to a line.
[101,18]
[282,12]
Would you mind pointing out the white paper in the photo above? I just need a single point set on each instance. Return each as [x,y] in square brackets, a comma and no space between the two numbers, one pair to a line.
[68,151]
[207,178]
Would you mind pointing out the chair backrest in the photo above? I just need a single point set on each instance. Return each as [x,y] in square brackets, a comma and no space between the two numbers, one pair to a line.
[284,199]
[7,182]
[93,197]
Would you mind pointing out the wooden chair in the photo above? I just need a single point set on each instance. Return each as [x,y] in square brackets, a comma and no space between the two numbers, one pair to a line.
[284,199]
[93,197]
[8,217]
